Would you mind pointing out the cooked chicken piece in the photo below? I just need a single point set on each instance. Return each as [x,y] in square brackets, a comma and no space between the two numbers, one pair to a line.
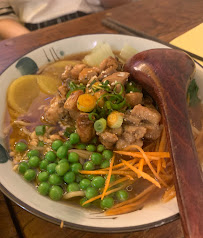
[153,131]
[71,102]
[63,91]
[146,114]
[108,139]
[85,128]
[54,111]
[108,62]
[117,131]
[118,77]
[67,73]
[121,143]
[134,98]
[75,71]
[128,118]
[74,114]
[86,74]
[138,132]
[106,73]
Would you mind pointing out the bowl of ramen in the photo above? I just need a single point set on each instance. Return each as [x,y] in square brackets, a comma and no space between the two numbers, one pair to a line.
[82,144]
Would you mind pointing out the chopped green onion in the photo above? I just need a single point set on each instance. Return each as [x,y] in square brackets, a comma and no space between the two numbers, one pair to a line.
[40,130]
[100,125]
[121,90]
[118,106]
[92,116]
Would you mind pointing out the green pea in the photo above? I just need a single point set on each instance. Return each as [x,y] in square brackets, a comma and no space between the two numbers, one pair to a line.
[34,161]
[32,153]
[20,147]
[80,146]
[43,176]
[100,148]
[55,193]
[98,182]
[112,179]
[73,157]
[23,167]
[43,164]
[62,168]
[72,187]
[107,202]
[54,179]
[107,154]
[94,140]
[51,168]
[43,188]
[40,144]
[79,177]
[30,175]
[91,148]
[122,195]
[67,144]
[85,183]
[76,167]
[90,176]
[69,177]
[82,200]
[88,165]
[40,130]
[96,158]
[56,144]
[91,192]
[62,152]
[74,138]
[70,129]
[63,161]
[105,164]
[50,156]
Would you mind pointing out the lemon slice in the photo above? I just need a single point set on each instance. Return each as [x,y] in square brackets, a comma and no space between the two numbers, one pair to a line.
[48,84]
[22,92]
[57,68]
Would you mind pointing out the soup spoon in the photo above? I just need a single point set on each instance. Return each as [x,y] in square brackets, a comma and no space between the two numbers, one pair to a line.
[165,74]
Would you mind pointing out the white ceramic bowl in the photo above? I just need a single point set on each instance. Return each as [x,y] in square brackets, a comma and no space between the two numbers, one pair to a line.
[26,196]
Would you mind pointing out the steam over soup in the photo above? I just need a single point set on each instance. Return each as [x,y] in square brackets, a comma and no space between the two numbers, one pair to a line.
[85,132]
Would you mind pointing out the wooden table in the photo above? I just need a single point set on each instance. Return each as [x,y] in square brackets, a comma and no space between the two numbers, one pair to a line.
[162,19]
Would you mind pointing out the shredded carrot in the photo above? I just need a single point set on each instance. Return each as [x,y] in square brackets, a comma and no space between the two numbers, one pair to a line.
[143,174]
[169,194]
[158,166]
[134,199]
[120,165]
[141,164]
[118,172]
[107,193]
[130,177]
[151,155]
[127,208]
[107,182]
[118,181]
[150,165]
[163,163]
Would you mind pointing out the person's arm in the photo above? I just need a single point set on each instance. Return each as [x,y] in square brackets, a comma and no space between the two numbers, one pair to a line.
[10,28]
[113,3]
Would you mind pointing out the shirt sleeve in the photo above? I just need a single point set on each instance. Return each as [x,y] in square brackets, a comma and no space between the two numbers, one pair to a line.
[94,2]
[6,11]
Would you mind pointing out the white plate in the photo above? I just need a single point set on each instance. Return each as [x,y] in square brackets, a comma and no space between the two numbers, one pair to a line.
[26,196]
